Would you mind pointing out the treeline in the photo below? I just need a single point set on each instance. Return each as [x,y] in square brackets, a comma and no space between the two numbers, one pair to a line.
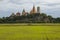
[30,18]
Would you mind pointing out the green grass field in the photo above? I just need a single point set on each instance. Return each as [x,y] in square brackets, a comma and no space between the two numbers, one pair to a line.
[30,32]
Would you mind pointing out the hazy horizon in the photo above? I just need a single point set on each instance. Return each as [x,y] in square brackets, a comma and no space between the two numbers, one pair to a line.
[50,7]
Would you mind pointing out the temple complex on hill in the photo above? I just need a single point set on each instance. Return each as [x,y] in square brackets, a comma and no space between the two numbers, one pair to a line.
[33,11]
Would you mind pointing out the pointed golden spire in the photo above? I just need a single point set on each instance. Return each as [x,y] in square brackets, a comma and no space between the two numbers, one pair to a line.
[33,10]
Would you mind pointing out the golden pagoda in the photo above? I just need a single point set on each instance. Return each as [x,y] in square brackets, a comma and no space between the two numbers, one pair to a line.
[33,10]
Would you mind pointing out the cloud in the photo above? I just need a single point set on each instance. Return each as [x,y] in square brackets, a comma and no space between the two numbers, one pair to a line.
[47,6]
[1,0]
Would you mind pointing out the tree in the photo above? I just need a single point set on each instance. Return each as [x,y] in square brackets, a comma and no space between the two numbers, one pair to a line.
[50,18]
[1,20]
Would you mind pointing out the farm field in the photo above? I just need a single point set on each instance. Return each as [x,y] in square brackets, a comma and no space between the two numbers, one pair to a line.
[30,32]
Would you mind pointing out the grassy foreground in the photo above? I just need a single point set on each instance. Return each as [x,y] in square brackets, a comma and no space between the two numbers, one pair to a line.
[26,32]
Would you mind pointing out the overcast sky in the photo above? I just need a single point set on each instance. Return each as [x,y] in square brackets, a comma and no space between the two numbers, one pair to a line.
[50,7]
